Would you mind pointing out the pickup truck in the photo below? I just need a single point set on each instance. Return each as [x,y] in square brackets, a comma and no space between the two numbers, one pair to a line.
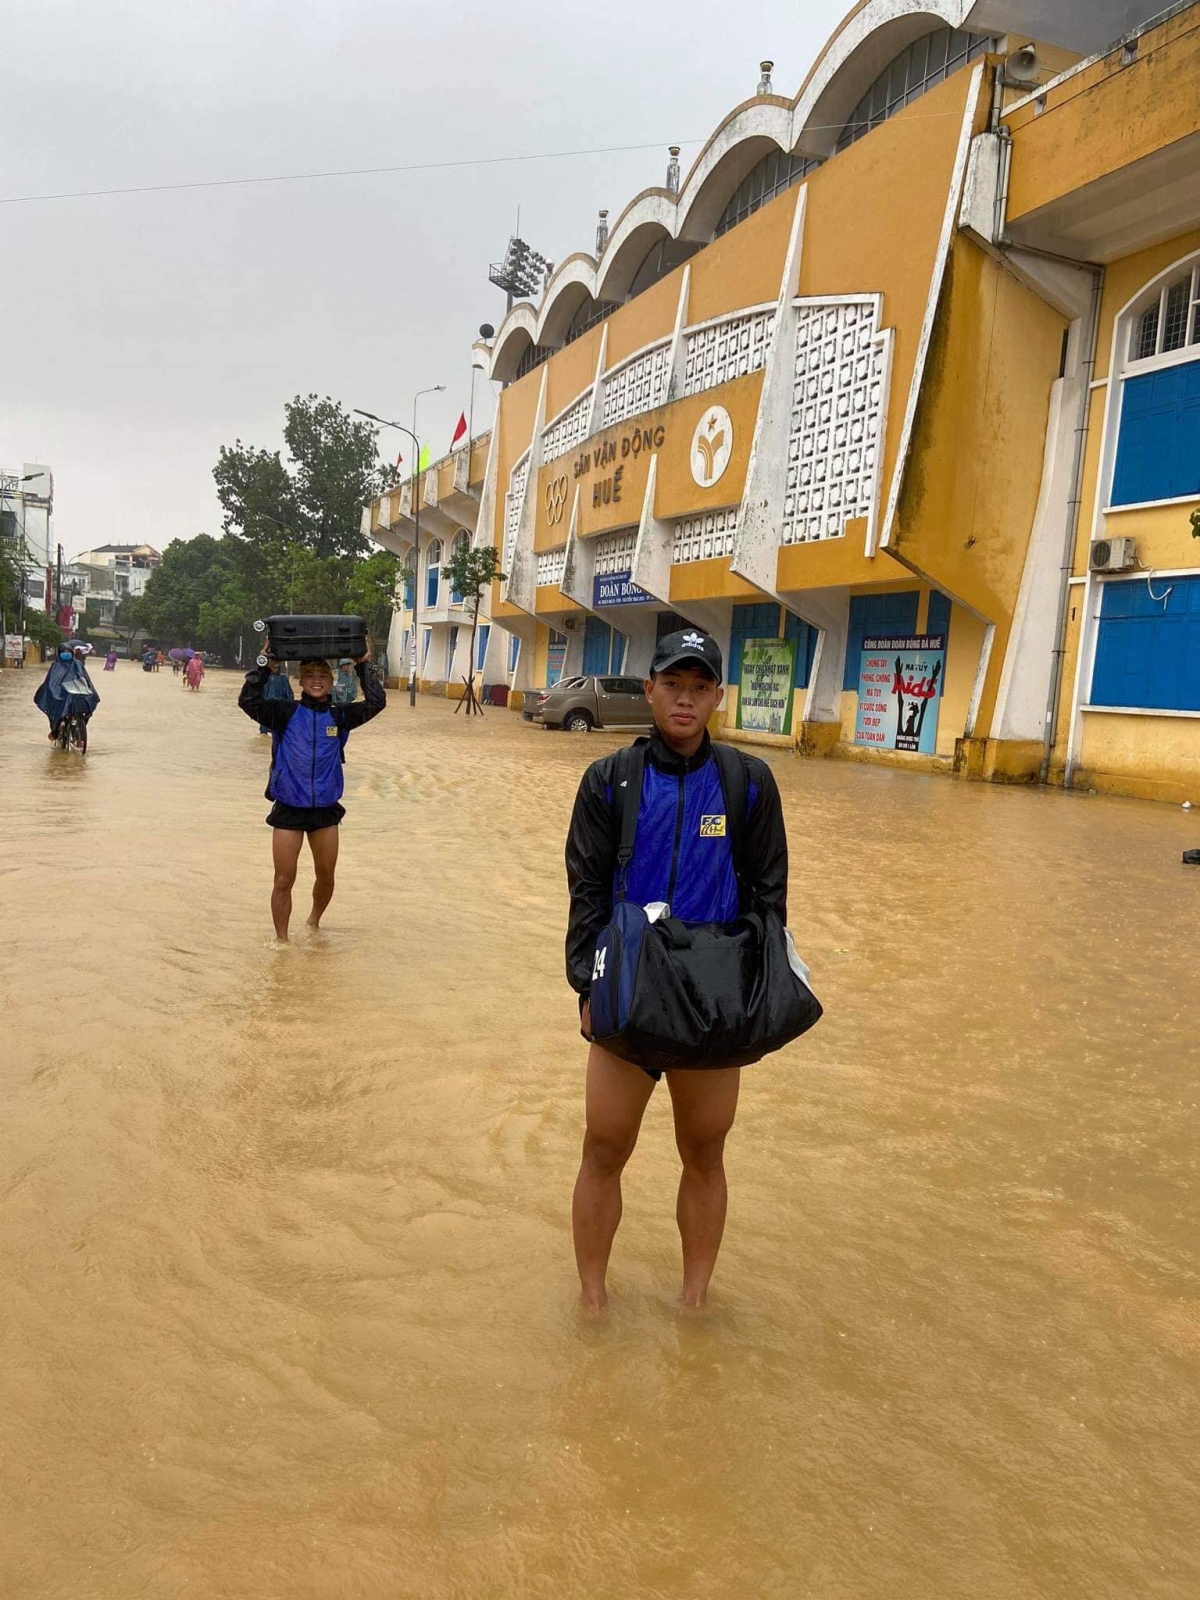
[580,704]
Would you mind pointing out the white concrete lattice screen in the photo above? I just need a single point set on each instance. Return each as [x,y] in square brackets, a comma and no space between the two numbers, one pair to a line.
[514,502]
[550,566]
[639,385]
[704,537]
[614,552]
[727,349]
[569,430]
[837,406]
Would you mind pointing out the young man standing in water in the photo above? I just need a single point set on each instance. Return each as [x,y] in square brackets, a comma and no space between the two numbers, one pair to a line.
[681,856]
[307,753]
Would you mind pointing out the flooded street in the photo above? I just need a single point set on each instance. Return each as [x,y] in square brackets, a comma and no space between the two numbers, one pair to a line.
[289,1292]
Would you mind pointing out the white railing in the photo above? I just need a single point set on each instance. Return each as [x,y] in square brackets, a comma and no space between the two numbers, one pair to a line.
[638,384]
[550,566]
[614,552]
[728,348]
[514,502]
[704,537]
[838,399]
[568,429]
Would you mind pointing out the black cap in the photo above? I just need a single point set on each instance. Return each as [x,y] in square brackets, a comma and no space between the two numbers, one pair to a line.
[689,647]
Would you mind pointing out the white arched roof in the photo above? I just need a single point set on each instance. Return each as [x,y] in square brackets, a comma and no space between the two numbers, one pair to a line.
[870,36]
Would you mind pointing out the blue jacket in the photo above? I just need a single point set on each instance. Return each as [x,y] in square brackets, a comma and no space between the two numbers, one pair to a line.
[309,737]
[683,853]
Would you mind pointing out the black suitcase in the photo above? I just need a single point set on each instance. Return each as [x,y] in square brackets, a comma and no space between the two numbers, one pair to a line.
[294,638]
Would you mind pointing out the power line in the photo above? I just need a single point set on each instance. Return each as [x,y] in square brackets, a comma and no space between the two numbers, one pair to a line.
[415,166]
[348,172]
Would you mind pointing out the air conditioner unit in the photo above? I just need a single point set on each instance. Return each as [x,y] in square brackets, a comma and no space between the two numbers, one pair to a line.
[1114,555]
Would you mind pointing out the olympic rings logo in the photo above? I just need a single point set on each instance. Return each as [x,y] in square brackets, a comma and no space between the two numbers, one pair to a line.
[556,500]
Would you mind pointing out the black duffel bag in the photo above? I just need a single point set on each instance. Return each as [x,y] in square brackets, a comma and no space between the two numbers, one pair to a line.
[667,993]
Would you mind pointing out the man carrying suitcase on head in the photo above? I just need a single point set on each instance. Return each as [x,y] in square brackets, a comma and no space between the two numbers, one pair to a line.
[682,855]
[307,754]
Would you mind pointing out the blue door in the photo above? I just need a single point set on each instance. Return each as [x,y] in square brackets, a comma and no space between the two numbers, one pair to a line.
[597,646]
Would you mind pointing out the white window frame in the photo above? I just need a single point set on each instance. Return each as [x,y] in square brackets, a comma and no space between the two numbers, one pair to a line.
[1134,366]
[1122,366]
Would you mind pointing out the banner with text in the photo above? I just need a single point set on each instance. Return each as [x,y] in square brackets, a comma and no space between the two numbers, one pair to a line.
[900,683]
[765,695]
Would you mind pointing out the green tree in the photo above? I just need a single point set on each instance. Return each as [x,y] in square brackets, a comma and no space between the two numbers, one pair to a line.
[315,497]
[131,618]
[43,630]
[471,572]
[10,592]
[371,592]
[204,593]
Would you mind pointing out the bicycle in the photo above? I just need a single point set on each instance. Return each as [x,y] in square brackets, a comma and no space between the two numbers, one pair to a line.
[72,732]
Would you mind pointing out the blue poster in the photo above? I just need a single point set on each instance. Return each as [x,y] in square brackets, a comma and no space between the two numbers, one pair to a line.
[615,589]
[900,682]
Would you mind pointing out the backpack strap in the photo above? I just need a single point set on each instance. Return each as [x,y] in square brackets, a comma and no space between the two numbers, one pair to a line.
[735,785]
[628,773]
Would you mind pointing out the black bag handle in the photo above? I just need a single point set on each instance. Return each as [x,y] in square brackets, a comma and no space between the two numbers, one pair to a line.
[630,770]
[735,785]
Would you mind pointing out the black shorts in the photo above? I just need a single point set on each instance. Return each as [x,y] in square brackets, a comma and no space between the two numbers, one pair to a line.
[304,819]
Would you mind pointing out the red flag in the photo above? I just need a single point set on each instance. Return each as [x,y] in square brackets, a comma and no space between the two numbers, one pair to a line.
[399,457]
[460,430]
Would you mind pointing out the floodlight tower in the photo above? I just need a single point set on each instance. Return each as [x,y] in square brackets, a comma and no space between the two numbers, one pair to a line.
[521,273]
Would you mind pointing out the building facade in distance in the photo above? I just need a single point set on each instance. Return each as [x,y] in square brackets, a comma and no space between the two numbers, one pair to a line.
[897,393]
[26,530]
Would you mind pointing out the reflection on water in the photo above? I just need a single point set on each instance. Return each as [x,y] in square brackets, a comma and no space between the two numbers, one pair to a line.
[290,1299]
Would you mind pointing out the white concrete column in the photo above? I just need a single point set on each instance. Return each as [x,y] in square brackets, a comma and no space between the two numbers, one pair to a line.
[596,410]
[521,589]
[1024,689]
[760,515]
[485,521]
[579,561]
[677,361]
[823,700]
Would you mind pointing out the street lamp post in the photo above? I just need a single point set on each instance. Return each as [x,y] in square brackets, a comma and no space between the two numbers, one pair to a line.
[436,388]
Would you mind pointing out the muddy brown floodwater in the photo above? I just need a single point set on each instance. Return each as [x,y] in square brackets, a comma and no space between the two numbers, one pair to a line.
[288,1290]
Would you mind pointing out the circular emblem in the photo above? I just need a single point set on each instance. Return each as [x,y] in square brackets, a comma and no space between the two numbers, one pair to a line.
[556,500]
[712,446]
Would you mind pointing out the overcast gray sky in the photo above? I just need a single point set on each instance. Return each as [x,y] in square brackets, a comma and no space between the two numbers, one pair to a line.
[142,332]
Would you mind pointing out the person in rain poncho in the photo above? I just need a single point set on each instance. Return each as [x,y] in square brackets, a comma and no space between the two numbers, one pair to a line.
[345,685]
[277,687]
[194,672]
[65,688]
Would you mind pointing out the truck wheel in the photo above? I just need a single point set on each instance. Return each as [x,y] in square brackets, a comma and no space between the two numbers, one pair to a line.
[577,722]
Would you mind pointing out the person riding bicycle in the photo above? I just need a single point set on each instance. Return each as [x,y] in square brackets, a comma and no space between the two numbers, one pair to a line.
[66,689]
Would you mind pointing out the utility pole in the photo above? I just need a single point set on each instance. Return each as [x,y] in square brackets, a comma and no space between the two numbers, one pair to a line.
[437,388]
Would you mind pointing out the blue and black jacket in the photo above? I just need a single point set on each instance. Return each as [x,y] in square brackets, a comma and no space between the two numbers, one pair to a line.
[308,737]
[684,848]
